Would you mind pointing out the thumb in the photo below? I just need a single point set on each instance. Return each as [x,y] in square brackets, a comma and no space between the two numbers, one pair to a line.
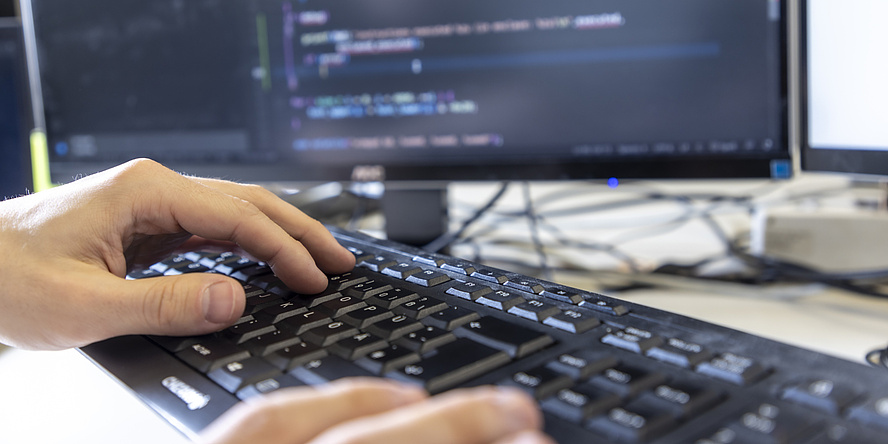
[188,304]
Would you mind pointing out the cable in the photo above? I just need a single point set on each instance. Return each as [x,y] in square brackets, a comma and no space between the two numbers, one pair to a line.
[446,239]
[535,232]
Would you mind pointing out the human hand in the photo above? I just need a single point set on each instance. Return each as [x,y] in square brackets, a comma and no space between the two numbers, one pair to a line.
[67,250]
[369,411]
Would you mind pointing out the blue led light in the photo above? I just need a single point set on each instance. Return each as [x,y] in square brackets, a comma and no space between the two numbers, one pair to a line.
[613,182]
[61,148]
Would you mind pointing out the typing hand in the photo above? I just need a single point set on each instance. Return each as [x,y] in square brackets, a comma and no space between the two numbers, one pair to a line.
[367,411]
[65,253]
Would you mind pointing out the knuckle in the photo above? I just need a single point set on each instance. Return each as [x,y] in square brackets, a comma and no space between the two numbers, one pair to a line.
[163,305]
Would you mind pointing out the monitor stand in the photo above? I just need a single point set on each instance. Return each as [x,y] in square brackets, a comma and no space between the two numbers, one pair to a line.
[415,216]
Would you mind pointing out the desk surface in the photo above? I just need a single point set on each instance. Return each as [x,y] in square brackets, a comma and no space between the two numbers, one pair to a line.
[60,397]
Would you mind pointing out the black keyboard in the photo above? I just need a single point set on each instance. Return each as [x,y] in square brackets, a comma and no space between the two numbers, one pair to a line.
[602,369]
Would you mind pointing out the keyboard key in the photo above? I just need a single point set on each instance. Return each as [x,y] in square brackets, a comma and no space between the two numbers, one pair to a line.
[451,318]
[524,284]
[264,281]
[301,323]
[394,327]
[733,368]
[269,385]
[342,281]
[193,267]
[328,334]
[678,352]
[401,270]
[174,262]
[245,331]
[501,300]
[421,307]
[295,355]
[769,423]
[366,316]
[144,274]
[497,277]
[514,339]
[540,382]
[260,302]
[604,306]
[211,260]
[874,412]
[426,339]
[326,369]
[632,339]
[464,268]
[468,290]
[582,364]
[341,305]
[234,264]
[211,353]
[282,310]
[271,342]
[452,364]
[368,288]
[820,394]
[535,310]
[388,359]
[428,278]
[580,403]
[360,255]
[627,381]
[634,423]
[563,295]
[377,263]
[239,374]
[682,400]
[252,291]
[357,345]
[312,301]
[251,272]
[175,343]
[428,259]
[574,321]
[392,298]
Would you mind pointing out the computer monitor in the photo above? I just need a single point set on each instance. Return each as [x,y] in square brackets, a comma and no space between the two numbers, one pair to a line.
[416,91]
[15,113]
[844,88]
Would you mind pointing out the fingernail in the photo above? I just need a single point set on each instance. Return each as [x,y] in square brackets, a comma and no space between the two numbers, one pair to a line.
[519,412]
[218,303]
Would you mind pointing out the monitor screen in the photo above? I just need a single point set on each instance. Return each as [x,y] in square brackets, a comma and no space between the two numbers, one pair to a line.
[15,114]
[844,86]
[417,90]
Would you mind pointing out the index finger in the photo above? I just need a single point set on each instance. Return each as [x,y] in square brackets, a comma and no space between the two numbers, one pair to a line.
[204,211]
[329,255]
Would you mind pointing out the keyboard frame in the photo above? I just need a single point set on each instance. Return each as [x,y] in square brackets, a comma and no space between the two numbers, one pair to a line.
[173,389]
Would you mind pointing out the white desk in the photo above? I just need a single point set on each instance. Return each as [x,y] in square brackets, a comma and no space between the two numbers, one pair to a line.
[60,397]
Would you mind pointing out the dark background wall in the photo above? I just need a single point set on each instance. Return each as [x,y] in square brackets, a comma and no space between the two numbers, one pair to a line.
[7,8]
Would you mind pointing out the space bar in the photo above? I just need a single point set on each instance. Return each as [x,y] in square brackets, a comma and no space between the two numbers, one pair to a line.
[451,365]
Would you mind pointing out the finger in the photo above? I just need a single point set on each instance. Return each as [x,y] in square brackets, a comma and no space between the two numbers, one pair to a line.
[329,254]
[526,437]
[296,416]
[211,214]
[185,305]
[475,416]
